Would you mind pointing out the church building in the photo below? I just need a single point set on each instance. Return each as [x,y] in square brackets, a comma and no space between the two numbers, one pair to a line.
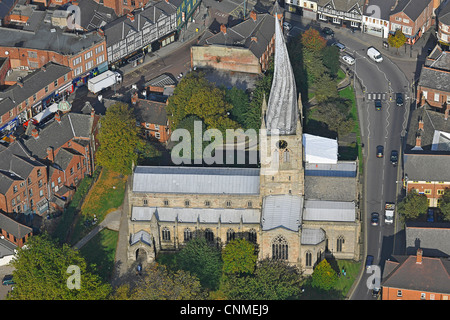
[168,206]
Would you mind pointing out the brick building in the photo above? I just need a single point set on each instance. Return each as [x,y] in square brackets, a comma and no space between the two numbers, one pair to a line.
[244,47]
[23,181]
[413,17]
[433,87]
[14,231]
[33,93]
[416,277]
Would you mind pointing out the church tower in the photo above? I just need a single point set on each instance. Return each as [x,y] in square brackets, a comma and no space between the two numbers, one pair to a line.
[281,145]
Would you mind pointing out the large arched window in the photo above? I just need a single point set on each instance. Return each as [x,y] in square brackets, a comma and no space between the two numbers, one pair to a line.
[252,236]
[280,248]
[209,235]
[339,243]
[187,234]
[308,259]
[231,235]
[165,234]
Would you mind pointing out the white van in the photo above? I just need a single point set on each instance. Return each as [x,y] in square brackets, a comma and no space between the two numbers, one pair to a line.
[374,54]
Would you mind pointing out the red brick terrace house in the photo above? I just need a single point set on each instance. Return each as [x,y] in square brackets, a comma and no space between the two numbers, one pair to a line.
[14,231]
[416,277]
[413,17]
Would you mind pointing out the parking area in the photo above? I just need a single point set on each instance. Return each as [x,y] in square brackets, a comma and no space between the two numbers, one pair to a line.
[4,270]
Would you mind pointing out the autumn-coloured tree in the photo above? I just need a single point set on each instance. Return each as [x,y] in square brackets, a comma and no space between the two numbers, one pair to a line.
[397,39]
[313,41]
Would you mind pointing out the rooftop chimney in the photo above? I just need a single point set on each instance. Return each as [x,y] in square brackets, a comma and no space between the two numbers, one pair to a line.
[419,256]
[101,32]
[446,112]
[420,123]
[35,133]
[418,140]
[57,117]
[130,16]
[92,112]
[254,39]
[50,154]
[253,15]
[223,28]
[134,98]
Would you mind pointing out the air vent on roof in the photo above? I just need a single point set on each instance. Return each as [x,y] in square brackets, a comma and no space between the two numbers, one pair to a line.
[53,30]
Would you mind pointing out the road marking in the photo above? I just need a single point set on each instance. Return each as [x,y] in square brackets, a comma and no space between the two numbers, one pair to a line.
[168,66]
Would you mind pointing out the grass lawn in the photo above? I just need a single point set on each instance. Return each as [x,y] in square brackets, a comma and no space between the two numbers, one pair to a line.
[101,251]
[105,196]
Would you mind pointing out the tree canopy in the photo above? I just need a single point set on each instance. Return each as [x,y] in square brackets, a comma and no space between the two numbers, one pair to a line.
[323,277]
[444,205]
[397,39]
[239,256]
[42,273]
[413,205]
[119,139]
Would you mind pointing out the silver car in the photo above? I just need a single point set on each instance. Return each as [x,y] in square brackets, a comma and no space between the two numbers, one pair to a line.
[348,60]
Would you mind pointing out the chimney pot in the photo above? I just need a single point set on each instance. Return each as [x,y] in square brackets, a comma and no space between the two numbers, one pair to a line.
[253,15]
[50,155]
[418,140]
[35,133]
[223,28]
[421,124]
[419,256]
[58,117]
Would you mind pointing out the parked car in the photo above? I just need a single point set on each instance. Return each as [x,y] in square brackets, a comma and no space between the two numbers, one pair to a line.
[340,46]
[376,292]
[375,218]
[287,26]
[8,280]
[378,104]
[327,31]
[348,59]
[399,99]
[380,151]
[369,261]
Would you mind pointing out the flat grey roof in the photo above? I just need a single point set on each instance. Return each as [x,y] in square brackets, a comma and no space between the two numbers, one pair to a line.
[318,210]
[196,180]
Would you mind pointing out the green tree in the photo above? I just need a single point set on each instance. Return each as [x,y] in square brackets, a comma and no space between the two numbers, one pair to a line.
[188,123]
[119,139]
[413,206]
[41,273]
[239,256]
[330,59]
[239,100]
[325,88]
[272,280]
[444,204]
[194,95]
[203,260]
[323,277]
[160,283]
[397,39]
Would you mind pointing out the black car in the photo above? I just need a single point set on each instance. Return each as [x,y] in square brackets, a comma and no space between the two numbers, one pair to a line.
[378,104]
[375,218]
[369,261]
[394,157]
[376,292]
[399,99]
[328,31]
[380,151]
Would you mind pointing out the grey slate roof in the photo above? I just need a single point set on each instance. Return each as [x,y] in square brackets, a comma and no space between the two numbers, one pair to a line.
[433,122]
[7,248]
[427,167]
[44,38]
[384,5]
[318,210]
[342,5]
[15,164]
[194,215]
[444,14]
[435,79]
[93,15]
[5,7]
[13,227]
[151,112]
[412,8]
[32,83]
[192,180]
[282,108]
[54,134]
[432,238]
[432,275]
[282,211]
